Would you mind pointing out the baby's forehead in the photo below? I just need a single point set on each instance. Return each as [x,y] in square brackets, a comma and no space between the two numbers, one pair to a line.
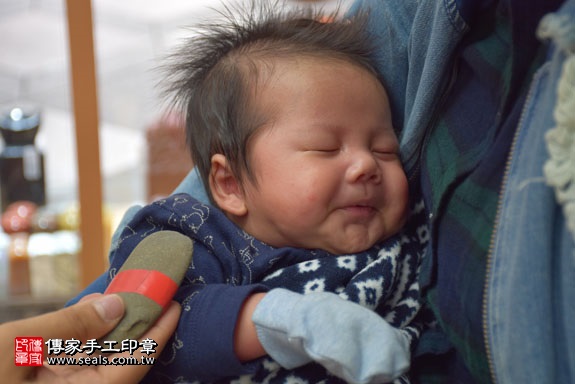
[272,85]
[262,74]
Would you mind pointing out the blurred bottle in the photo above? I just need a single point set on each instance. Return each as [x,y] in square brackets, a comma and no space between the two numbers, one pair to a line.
[21,162]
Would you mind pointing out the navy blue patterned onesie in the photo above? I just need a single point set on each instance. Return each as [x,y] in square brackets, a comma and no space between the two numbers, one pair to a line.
[229,265]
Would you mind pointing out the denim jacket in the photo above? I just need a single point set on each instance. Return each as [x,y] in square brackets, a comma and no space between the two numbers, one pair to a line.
[531,284]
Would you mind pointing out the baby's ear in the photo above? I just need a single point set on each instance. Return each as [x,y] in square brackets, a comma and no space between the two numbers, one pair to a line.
[226,189]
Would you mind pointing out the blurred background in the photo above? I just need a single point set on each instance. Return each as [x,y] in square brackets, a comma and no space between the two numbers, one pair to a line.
[142,155]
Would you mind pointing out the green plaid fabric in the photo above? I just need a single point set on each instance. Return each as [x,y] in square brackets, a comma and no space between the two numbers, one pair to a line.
[463,165]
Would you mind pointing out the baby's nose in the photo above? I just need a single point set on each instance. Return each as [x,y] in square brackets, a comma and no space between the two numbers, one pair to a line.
[364,168]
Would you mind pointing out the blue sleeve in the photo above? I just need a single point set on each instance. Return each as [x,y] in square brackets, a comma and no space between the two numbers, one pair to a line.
[202,347]
[97,286]
[191,184]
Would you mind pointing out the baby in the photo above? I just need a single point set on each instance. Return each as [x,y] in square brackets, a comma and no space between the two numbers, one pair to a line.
[304,269]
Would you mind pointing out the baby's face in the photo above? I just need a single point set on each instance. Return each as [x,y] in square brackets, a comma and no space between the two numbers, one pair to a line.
[327,163]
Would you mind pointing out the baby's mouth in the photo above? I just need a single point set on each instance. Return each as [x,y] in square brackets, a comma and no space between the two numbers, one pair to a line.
[360,210]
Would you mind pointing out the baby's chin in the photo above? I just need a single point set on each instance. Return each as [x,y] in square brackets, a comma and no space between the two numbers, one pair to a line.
[350,247]
[352,238]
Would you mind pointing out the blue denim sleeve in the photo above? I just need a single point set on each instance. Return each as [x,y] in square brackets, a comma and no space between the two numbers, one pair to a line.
[193,186]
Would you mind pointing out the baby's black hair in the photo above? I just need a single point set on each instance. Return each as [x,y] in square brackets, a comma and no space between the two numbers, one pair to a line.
[213,73]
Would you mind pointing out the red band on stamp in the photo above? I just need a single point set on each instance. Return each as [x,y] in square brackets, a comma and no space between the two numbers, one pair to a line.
[153,284]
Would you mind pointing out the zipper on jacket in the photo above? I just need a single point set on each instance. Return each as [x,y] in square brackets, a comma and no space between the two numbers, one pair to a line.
[488,269]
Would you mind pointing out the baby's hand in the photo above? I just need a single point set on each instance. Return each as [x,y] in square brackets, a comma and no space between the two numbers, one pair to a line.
[352,342]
